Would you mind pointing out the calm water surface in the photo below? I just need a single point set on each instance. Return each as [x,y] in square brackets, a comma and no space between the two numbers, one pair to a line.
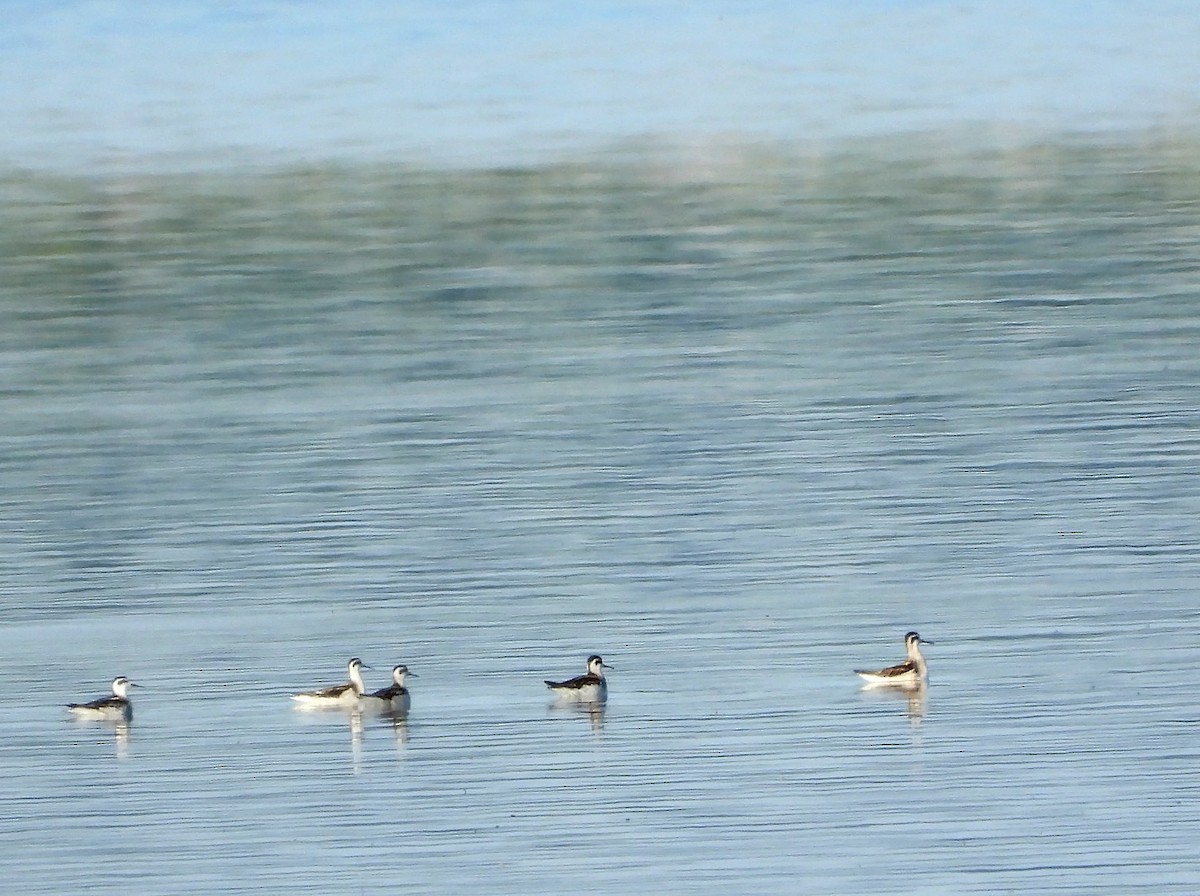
[736,429]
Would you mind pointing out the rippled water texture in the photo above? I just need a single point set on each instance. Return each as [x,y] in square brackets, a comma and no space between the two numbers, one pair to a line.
[736,426]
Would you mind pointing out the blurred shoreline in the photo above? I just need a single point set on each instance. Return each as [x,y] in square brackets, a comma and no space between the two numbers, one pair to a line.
[644,185]
[877,222]
[719,157]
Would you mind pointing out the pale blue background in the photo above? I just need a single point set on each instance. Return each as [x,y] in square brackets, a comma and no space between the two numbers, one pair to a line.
[493,83]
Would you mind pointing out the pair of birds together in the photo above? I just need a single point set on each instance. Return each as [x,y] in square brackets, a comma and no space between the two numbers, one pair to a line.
[394,698]
[587,688]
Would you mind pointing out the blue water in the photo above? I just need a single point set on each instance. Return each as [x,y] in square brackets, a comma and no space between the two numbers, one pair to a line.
[738,436]
[733,343]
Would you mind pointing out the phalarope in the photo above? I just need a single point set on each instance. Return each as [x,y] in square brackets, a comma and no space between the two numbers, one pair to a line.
[909,674]
[395,697]
[338,695]
[588,688]
[114,708]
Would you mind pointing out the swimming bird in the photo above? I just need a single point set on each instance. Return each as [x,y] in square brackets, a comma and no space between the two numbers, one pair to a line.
[339,695]
[395,697]
[909,674]
[115,708]
[588,688]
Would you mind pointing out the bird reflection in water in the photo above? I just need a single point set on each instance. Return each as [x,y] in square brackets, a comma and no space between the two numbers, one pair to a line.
[916,700]
[118,729]
[593,712]
[398,722]
[359,721]
[332,714]
[356,729]
[389,711]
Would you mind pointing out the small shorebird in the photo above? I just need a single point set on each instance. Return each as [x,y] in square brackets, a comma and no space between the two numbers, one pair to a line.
[909,674]
[395,697]
[588,688]
[115,708]
[339,695]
